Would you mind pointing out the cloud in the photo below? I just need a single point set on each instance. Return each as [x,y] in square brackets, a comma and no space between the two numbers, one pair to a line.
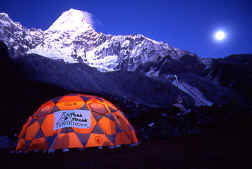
[92,19]
[89,18]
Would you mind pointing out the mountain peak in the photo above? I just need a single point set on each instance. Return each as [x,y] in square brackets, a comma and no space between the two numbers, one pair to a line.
[72,20]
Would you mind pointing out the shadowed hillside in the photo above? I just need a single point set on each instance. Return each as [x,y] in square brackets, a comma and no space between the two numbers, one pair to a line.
[20,97]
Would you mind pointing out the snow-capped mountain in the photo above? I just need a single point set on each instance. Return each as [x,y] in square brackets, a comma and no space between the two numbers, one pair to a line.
[71,54]
[18,39]
[74,40]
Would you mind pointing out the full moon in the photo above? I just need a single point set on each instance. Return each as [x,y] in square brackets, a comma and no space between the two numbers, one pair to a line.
[220,35]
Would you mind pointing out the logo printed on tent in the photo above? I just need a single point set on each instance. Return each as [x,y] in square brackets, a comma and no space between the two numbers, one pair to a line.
[72,118]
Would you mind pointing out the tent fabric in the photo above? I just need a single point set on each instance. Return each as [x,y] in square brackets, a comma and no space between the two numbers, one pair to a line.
[104,125]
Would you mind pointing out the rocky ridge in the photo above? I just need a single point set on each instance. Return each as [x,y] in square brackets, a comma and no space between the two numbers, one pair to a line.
[74,40]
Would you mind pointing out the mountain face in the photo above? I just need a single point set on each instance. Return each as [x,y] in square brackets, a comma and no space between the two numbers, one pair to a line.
[18,39]
[72,55]
[234,72]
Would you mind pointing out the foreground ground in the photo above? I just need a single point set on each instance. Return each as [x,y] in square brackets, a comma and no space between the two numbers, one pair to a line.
[176,152]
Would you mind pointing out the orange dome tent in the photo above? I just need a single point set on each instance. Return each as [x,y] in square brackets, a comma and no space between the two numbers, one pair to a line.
[75,121]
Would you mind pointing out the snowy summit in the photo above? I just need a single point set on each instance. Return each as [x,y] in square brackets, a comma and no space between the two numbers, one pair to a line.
[72,20]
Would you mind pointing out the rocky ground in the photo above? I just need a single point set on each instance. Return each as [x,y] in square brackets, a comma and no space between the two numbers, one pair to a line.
[172,153]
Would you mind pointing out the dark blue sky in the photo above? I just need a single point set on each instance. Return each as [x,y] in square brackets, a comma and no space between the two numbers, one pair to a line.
[185,24]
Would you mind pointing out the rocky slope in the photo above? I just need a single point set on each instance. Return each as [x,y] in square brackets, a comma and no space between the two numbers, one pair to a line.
[233,72]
